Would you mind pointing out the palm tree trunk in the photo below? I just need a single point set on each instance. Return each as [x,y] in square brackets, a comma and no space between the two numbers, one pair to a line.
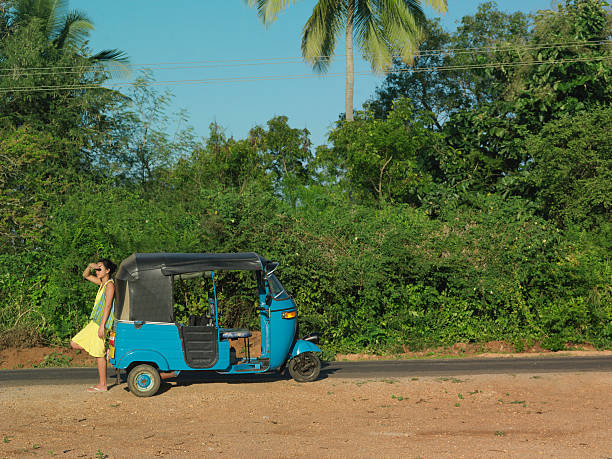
[350,75]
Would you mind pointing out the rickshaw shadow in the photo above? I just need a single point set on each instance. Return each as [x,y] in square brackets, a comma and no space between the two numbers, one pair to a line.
[189,378]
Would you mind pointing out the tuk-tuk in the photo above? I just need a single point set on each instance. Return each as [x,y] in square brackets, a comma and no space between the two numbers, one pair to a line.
[146,338]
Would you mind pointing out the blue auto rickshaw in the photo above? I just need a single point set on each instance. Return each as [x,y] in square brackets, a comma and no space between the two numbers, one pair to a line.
[146,338]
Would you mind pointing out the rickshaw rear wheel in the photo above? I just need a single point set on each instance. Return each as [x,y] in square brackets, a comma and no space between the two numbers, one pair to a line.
[144,380]
[305,367]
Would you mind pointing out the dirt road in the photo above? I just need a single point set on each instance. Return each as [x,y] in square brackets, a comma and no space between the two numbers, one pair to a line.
[527,415]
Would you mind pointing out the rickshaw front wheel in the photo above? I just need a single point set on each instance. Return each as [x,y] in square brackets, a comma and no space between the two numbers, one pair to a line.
[305,367]
[143,380]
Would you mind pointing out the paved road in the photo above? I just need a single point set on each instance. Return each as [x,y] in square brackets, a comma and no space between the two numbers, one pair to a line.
[369,369]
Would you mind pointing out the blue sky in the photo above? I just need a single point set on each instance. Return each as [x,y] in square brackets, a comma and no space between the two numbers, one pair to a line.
[196,32]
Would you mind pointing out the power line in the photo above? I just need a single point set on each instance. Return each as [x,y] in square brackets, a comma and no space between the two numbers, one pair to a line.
[84,69]
[503,48]
[290,77]
[152,65]
[287,60]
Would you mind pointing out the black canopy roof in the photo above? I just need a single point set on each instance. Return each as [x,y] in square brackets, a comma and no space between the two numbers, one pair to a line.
[181,263]
[144,280]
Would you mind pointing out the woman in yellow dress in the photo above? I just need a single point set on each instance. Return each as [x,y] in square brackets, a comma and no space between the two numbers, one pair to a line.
[91,337]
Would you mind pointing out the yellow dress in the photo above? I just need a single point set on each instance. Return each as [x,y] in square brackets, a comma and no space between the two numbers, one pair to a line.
[88,337]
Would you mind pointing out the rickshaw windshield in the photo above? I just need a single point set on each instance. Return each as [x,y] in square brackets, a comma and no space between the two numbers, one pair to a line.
[276,288]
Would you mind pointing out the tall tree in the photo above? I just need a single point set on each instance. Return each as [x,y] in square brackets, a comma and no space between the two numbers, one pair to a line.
[484,39]
[433,91]
[141,145]
[51,128]
[44,65]
[564,70]
[63,29]
[382,161]
[381,29]
[284,153]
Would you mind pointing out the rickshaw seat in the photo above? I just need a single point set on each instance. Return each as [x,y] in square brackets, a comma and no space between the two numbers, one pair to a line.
[234,333]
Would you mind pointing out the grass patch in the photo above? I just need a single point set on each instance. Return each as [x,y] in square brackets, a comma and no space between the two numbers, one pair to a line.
[55,359]
[453,380]
[519,402]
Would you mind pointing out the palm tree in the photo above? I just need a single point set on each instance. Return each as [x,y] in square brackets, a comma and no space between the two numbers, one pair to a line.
[382,29]
[65,30]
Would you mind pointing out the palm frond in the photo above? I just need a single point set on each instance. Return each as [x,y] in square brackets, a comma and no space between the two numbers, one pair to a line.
[110,55]
[268,10]
[113,61]
[384,28]
[75,30]
[370,35]
[404,24]
[321,31]
[439,5]
[54,12]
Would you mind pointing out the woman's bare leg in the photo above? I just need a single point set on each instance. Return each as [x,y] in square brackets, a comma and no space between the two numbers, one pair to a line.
[101,361]
[74,345]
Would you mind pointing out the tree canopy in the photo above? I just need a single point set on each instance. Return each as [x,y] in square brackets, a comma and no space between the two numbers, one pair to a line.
[469,200]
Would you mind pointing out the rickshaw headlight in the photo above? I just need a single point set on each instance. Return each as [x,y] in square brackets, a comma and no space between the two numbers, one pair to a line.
[290,315]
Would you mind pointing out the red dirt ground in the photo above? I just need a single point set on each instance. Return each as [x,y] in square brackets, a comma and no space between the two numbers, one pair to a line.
[477,416]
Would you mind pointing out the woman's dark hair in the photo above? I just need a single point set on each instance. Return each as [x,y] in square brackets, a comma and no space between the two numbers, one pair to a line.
[108,265]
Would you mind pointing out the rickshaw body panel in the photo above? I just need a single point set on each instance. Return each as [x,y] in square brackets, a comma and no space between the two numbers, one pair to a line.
[281,332]
[157,343]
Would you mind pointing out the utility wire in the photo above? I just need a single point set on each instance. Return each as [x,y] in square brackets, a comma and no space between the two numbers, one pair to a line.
[503,48]
[284,60]
[291,77]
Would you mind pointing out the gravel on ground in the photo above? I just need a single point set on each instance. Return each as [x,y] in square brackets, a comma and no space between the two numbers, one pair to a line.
[488,416]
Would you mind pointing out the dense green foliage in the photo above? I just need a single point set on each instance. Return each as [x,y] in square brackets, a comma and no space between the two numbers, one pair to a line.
[465,205]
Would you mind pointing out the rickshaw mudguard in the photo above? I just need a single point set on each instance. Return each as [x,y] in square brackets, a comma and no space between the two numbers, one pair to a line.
[300,346]
[144,356]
